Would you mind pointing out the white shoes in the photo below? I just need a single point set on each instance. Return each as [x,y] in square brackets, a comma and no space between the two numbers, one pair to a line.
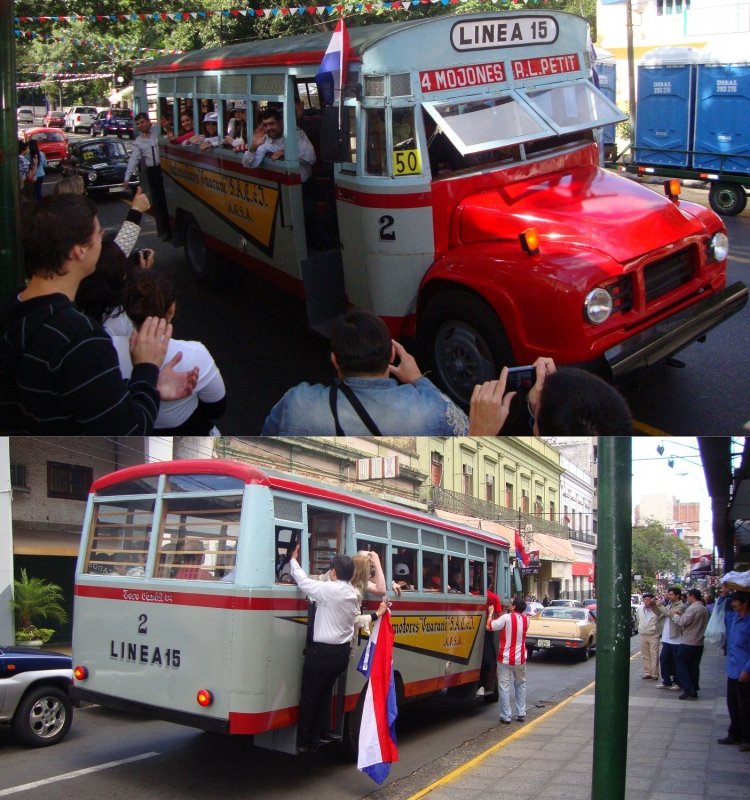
[480,691]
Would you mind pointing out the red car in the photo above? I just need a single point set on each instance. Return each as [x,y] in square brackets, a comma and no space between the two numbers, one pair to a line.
[52,143]
[54,119]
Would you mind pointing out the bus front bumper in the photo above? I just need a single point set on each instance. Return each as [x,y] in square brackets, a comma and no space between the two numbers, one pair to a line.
[667,337]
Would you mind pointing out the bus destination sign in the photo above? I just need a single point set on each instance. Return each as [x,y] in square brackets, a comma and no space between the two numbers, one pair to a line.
[490,34]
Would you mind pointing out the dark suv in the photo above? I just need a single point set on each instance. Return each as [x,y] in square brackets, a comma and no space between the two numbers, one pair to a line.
[115,121]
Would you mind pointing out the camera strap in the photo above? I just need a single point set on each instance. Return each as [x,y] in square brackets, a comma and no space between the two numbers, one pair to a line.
[355,403]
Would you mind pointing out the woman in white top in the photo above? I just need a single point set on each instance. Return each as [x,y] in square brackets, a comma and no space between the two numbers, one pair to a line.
[152,293]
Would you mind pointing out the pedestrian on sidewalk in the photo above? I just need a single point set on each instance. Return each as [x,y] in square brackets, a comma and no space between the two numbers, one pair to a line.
[649,629]
[670,638]
[693,624]
[511,657]
[738,671]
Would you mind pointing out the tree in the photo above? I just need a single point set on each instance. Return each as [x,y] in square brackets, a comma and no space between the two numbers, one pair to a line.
[655,550]
[36,599]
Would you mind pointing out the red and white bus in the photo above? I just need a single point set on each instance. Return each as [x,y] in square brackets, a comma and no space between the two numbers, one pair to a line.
[457,194]
[183,609]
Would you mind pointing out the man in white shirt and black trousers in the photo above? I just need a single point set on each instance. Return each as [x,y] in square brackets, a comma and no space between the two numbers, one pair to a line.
[146,150]
[328,655]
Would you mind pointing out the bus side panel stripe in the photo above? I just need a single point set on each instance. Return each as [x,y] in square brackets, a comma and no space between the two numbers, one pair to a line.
[382,200]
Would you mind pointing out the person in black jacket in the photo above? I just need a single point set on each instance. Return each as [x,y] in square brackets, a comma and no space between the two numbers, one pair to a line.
[59,372]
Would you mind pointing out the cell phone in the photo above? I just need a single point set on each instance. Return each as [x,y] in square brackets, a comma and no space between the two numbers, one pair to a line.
[520,379]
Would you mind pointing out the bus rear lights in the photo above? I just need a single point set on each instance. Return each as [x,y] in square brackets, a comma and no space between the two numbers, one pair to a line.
[672,189]
[204,697]
[529,241]
[80,673]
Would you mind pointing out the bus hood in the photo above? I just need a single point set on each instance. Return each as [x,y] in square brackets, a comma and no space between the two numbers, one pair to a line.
[583,206]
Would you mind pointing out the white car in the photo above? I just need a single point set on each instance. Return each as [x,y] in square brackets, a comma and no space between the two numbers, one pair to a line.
[80,118]
[25,114]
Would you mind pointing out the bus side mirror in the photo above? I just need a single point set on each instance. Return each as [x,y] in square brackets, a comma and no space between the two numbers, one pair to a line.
[334,141]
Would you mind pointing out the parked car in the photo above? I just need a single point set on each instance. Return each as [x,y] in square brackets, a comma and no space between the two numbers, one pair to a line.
[562,628]
[34,697]
[25,114]
[54,119]
[101,163]
[568,603]
[52,143]
[589,602]
[80,118]
[533,608]
[116,121]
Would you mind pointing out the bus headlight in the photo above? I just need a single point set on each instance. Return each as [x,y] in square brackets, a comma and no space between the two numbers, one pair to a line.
[598,305]
[719,246]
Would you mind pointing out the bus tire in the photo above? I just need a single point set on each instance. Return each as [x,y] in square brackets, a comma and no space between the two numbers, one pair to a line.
[727,199]
[462,342]
[202,260]
[349,745]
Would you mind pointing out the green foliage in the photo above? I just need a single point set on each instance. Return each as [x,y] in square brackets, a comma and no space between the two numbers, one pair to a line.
[655,550]
[114,46]
[34,599]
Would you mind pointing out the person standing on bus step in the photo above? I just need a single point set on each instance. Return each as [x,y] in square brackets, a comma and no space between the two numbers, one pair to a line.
[367,395]
[488,671]
[511,657]
[328,655]
[146,150]
[268,140]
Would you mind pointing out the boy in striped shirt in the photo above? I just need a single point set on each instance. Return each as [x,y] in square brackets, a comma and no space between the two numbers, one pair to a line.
[511,657]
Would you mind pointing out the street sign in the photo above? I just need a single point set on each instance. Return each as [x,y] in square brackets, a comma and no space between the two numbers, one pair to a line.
[713,581]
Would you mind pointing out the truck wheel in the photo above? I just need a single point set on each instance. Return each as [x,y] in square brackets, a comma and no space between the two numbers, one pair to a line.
[727,199]
[463,342]
[202,260]
[43,717]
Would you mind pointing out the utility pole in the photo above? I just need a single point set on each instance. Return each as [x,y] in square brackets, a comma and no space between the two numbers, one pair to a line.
[631,72]
[11,274]
[613,565]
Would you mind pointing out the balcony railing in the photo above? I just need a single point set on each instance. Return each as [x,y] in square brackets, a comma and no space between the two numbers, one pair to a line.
[458,503]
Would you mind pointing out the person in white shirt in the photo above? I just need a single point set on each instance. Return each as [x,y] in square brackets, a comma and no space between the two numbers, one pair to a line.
[194,415]
[211,126]
[146,151]
[327,656]
[268,140]
[236,137]
[649,629]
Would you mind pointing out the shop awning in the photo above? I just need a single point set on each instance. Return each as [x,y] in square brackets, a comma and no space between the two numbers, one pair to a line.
[551,548]
[583,569]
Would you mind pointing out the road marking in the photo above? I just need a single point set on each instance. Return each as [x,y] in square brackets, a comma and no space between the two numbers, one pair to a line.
[649,430]
[508,739]
[77,774]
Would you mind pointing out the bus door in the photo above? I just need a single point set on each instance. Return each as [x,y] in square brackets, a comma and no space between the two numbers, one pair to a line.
[383,200]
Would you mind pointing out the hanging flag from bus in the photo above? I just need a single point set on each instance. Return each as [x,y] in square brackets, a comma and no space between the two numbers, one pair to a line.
[332,70]
[377,731]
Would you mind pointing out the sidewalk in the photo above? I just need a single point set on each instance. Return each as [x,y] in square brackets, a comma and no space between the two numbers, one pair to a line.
[672,749]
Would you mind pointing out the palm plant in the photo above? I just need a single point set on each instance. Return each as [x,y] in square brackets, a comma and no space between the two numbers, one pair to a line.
[36,599]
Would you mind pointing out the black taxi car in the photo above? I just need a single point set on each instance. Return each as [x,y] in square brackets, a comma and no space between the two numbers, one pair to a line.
[34,698]
[101,163]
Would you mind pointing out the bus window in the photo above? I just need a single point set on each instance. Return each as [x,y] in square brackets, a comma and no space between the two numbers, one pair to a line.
[375,141]
[476,577]
[492,570]
[192,558]
[406,159]
[286,540]
[457,575]
[325,539]
[432,572]
[403,561]
[364,546]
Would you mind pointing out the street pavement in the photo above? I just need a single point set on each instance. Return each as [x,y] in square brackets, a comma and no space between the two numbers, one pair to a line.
[672,749]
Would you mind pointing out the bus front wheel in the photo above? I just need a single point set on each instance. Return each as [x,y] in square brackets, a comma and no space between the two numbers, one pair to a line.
[202,260]
[463,342]
[727,199]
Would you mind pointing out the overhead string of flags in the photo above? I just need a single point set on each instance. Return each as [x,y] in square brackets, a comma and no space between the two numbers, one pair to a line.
[322,11]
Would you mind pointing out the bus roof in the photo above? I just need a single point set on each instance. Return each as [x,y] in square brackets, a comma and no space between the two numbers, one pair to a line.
[309,48]
[276,480]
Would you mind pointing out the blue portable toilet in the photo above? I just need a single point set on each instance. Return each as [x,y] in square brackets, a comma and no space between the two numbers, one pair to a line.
[606,72]
[666,79]
[722,109]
